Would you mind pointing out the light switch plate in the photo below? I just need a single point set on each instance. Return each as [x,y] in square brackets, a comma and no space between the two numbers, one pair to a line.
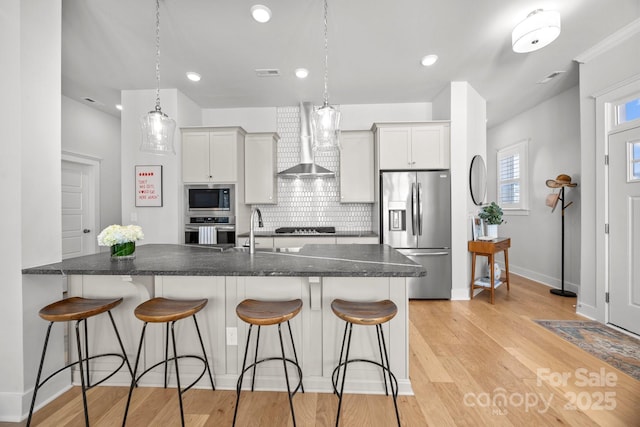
[232,336]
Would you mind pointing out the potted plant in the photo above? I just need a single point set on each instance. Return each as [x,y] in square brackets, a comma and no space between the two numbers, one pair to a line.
[491,214]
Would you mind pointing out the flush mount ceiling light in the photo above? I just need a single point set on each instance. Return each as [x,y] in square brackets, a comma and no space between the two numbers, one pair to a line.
[429,60]
[540,28]
[302,73]
[157,128]
[261,13]
[325,120]
[193,76]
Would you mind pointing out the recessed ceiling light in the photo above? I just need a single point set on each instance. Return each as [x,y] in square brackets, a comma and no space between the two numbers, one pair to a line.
[302,73]
[261,13]
[118,107]
[193,76]
[429,60]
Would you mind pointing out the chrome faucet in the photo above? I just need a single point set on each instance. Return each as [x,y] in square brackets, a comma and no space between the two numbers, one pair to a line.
[252,237]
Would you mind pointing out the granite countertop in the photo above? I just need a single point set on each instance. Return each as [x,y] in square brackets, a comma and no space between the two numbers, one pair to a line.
[181,260]
[272,233]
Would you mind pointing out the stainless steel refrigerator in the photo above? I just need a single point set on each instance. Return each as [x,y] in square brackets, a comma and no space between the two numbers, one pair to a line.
[416,220]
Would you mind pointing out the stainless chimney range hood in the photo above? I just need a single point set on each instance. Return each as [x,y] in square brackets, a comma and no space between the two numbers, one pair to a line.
[306,168]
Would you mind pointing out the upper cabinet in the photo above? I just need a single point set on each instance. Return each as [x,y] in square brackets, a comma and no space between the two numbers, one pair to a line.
[212,154]
[424,145]
[260,156]
[356,167]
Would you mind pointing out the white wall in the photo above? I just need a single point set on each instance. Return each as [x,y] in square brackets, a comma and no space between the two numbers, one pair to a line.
[88,132]
[553,131]
[598,76]
[467,110]
[29,165]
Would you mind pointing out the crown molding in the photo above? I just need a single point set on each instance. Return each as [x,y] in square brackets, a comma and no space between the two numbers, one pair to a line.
[609,42]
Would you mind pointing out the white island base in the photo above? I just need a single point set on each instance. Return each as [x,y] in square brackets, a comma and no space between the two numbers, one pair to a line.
[316,330]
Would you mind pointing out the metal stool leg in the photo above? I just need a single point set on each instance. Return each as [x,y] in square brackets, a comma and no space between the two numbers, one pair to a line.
[255,359]
[394,391]
[286,374]
[239,385]
[82,379]
[133,379]
[124,353]
[295,355]
[344,373]
[166,353]
[204,353]
[384,373]
[175,359]
[35,389]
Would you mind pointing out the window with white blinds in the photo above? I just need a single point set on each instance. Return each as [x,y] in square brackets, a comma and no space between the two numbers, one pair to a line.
[512,177]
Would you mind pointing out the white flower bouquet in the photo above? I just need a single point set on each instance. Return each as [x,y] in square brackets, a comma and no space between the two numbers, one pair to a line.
[118,234]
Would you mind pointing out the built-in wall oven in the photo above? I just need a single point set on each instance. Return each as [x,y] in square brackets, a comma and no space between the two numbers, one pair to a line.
[209,214]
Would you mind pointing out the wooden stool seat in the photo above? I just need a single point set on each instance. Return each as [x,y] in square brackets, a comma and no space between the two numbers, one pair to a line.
[76,308]
[163,310]
[263,313]
[364,313]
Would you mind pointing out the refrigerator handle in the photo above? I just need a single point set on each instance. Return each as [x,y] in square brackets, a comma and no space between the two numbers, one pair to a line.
[419,203]
[414,208]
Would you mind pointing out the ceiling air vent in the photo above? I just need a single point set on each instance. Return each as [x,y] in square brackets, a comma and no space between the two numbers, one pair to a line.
[268,72]
[90,100]
[550,77]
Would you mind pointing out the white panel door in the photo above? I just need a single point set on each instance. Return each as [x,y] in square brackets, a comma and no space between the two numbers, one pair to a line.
[78,221]
[624,229]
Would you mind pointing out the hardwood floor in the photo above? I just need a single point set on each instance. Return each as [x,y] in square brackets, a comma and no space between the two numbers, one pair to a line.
[472,364]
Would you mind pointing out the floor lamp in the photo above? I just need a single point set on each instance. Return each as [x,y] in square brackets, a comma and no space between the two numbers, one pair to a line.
[561,182]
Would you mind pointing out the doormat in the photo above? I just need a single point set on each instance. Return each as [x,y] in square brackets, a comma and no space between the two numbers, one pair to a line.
[616,348]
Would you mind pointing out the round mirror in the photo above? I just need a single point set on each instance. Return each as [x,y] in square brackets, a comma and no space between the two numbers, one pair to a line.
[478,179]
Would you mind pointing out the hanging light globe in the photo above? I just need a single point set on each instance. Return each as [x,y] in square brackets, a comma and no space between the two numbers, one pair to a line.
[157,133]
[325,127]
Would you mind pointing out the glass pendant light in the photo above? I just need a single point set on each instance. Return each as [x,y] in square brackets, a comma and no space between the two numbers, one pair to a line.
[157,128]
[325,121]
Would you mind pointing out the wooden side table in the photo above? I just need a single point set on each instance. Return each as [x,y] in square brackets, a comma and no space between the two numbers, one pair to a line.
[489,248]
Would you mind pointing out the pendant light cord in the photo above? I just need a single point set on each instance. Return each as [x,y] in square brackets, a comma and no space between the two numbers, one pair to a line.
[326,57]
[158,55]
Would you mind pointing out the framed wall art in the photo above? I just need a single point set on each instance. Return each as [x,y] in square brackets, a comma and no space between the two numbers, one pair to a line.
[148,185]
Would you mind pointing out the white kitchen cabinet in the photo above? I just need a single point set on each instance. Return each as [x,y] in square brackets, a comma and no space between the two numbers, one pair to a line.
[356,167]
[260,157]
[212,154]
[297,242]
[403,146]
[348,240]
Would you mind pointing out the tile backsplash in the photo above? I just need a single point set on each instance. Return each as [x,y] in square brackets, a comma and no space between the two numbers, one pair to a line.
[310,202]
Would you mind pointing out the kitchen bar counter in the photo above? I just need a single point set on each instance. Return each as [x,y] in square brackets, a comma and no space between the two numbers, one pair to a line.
[191,260]
[316,273]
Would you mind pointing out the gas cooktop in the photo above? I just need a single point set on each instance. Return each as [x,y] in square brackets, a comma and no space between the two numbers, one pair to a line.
[305,230]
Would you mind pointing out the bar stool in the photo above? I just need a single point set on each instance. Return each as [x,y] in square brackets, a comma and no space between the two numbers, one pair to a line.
[264,313]
[364,313]
[78,309]
[169,311]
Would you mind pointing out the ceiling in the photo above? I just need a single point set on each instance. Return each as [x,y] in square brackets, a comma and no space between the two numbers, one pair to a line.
[375,49]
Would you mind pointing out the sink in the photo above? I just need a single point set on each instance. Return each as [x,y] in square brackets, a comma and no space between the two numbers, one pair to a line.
[245,249]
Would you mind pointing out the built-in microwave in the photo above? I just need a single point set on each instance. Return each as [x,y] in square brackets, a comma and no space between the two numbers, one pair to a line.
[209,197]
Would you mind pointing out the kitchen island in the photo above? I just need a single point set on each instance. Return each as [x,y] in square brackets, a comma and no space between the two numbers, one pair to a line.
[316,274]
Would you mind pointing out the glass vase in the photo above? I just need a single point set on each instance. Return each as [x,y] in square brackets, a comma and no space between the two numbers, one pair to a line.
[123,251]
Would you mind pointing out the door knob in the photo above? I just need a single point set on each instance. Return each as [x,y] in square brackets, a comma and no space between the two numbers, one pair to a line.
[86,230]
